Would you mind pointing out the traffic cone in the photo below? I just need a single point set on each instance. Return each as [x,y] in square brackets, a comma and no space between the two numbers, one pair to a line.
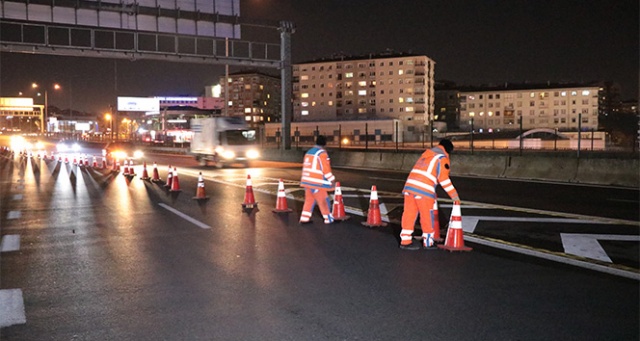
[455,235]
[95,162]
[145,175]
[175,182]
[156,176]
[104,163]
[132,172]
[169,178]
[281,202]
[373,215]
[125,170]
[86,160]
[200,195]
[436,222]
[249,199]
[338,205]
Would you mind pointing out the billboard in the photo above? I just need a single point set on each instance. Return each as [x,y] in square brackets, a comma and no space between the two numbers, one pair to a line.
[144,104]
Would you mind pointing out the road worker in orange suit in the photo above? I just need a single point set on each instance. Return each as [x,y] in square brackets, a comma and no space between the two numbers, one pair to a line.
[317,179]
[431,170]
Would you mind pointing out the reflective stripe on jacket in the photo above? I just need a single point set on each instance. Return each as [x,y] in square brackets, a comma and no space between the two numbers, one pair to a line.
[430,170]
[316,169]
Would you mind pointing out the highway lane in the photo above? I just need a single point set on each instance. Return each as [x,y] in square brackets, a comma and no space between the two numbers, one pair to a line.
[103,258]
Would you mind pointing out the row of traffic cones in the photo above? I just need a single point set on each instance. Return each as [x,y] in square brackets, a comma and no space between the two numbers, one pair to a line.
[455,235]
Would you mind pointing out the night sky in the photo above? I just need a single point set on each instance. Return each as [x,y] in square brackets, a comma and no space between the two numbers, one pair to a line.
[472,43]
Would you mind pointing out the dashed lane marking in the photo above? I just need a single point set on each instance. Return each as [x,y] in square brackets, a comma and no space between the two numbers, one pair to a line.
[184,216]
[10,242]
[11,307]
[14,214]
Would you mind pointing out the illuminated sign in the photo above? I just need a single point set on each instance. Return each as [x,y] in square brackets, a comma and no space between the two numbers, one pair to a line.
[144,104]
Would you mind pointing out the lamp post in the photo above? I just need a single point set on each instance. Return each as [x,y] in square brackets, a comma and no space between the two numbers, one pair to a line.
[108,117]
[43,120]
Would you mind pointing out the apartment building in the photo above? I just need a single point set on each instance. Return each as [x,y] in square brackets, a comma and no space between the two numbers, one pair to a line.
[386,86]
[254,95]
[566,108]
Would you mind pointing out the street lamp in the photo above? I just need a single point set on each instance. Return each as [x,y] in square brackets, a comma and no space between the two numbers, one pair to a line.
[56,86]
[108,117]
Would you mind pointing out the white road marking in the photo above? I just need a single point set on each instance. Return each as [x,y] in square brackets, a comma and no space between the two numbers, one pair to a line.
[184,216]
[11,307]
[10,242]
[587,245]
[469,223]
[555,257]
[14,214]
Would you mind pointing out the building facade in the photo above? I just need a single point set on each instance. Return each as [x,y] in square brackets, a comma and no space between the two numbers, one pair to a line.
[253,95]
[567,108]
[390,86]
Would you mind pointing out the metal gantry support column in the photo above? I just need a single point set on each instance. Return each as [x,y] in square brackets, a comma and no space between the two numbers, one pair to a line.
[286,29]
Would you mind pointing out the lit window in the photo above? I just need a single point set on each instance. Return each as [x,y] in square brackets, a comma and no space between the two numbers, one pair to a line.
[490,113]
[247,110]
[304,95]
[563,94]
[305,104]
[348,75]
[330,102]
[400,100]
[585,92]
[304,112]
[482,113]
[532,95]
[400,72]
[471,114]
[304,77]
[574,93]
[362,92]
[409,109]
[362,83]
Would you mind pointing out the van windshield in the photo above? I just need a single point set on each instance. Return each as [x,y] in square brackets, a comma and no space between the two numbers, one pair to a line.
[240,137]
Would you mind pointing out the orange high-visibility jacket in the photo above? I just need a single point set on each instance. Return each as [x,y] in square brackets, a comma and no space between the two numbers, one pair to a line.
[430,170]
[316,169]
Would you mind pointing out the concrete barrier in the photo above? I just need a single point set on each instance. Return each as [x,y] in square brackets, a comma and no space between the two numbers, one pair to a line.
[535,167]
[480,165]
[609,172]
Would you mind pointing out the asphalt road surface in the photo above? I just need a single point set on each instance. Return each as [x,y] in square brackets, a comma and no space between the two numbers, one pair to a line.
[88,254]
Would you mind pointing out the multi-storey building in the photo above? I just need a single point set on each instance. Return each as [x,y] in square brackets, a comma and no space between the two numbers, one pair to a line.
[389,86]
[562,107]
[447,106]
[253,95]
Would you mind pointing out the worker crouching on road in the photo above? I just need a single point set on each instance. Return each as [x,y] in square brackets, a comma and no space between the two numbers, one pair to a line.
[420,193]
[317,179]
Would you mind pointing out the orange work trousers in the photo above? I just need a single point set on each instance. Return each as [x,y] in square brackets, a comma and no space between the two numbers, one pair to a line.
[412,207]
[311,197]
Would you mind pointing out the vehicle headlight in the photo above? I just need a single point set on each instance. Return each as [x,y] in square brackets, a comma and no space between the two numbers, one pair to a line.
[227,154]
[62,147]
[75,147]
[39,145]
[17,142]
[119,154]
[253,154]
[138,154]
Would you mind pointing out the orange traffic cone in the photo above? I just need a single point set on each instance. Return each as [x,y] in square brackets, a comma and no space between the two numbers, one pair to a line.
[436,222]
[455,235]
[338,205]
[281,202]
[175,182]
[95,162]
[249,199]
[104,163]
[200,195]
[145,175]
[373,215]
[86,160]
[116,165]
[132,172]
[156,176]
[125,171]
[169,178]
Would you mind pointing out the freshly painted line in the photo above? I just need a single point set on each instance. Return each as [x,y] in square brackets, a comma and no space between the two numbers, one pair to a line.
[469,222]
[587,245]
[11,307]
[10,242]
[14,215]
[17,197]
[184,216]
[556,258]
